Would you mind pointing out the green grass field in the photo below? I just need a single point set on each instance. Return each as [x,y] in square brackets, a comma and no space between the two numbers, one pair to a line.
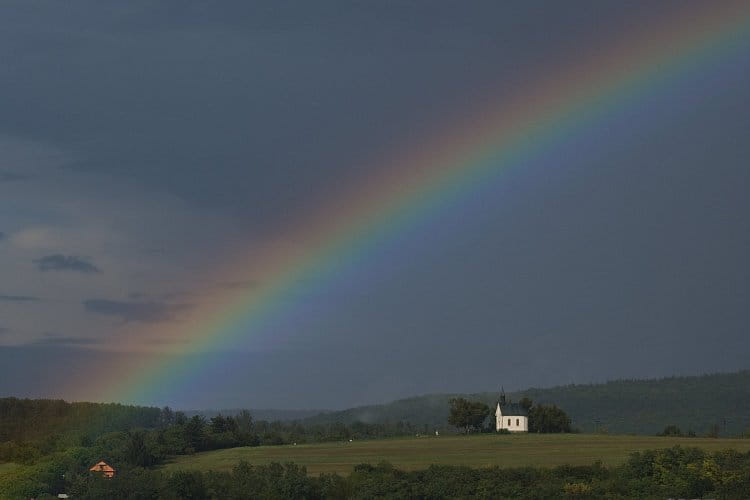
[476,451]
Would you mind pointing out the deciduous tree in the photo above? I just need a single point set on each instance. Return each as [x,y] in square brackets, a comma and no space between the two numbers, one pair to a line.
[467,415]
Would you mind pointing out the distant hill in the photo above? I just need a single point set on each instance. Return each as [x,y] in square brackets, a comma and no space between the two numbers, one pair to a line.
[622,406]
[269,415]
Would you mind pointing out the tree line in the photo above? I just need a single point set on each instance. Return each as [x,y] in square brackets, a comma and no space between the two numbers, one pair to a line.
[671,473]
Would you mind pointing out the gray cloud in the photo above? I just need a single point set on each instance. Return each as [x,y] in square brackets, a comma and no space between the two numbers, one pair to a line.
[3,330]
[146,312]
[50,339]
[59,262]
[18,298]
[6,176]
[2,236]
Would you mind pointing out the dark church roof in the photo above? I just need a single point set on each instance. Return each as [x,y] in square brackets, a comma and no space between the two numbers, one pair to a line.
[513,410]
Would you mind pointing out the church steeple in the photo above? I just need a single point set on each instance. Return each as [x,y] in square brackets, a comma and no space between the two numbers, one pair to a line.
[502,395]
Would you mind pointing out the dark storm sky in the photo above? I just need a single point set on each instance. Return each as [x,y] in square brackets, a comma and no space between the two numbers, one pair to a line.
[141,140]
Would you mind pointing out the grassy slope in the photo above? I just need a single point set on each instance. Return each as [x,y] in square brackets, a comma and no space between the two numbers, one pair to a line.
[622,406]
[476,451]
[7,469]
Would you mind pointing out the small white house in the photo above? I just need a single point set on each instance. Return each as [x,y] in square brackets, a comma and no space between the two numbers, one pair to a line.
[511,416]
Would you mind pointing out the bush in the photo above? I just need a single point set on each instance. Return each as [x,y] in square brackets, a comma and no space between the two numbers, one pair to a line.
[671,430]
[577,489]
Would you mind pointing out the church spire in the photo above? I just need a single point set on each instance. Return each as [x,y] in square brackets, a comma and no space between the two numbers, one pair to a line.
[502,395]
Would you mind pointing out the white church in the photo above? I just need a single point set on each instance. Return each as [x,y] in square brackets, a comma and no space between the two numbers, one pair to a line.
[511,416]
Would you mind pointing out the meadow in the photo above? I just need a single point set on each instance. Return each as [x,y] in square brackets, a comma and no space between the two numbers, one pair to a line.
[7,468]
[482,450]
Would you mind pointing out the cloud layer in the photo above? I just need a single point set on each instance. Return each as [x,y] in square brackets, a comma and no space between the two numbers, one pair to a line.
[59,262]
[145,312]
[63,340]
[18,298]
[6,176]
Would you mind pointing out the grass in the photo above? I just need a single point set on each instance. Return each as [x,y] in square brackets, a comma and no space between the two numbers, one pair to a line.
[8,468]
[476,451]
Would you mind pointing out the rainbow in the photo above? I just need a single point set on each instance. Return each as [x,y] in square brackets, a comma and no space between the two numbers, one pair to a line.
[401,193]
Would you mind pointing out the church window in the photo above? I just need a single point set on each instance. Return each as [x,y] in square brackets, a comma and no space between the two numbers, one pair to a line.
[517,422]
[508,421]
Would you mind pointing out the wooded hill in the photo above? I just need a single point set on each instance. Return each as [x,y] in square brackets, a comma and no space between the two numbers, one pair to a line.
[33,419]
[620,407]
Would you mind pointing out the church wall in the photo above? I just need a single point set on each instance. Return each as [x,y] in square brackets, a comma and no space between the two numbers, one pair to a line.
[501,422]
